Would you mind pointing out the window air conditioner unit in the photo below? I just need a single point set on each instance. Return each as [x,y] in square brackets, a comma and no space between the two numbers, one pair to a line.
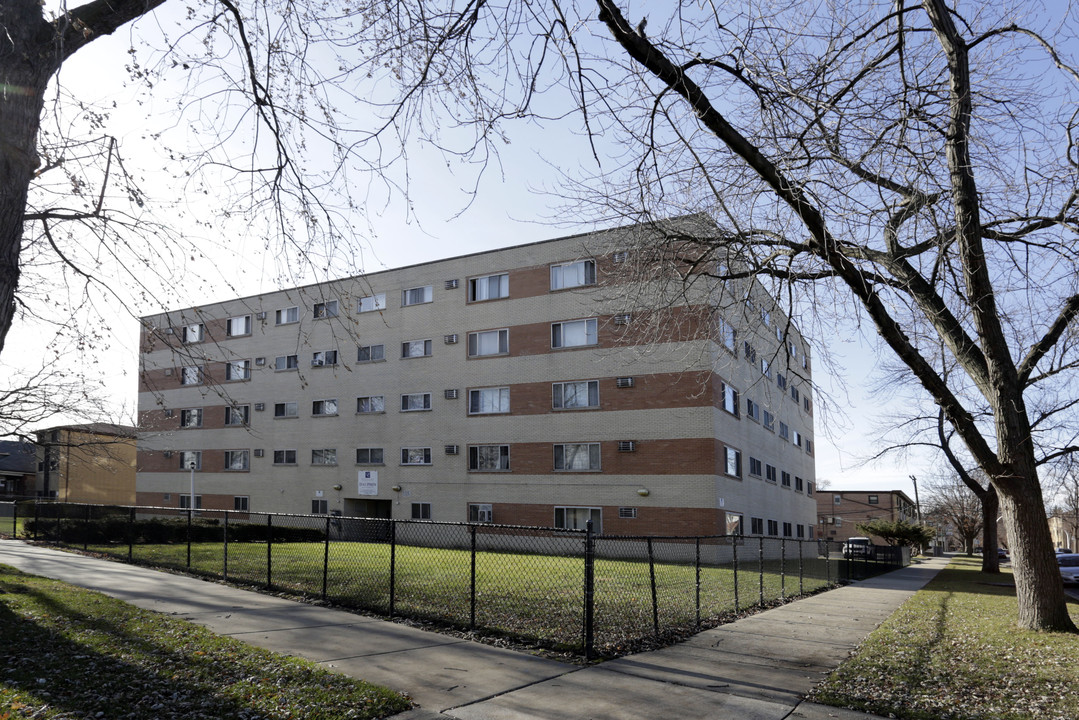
[621,256]
[261,316]
[623,382]
[451,284]
[260,406]
[451,394]
[453,449]
[451,339]
[167,453]
[260,361]
[622,319]
[168,372]
[170,331]
[627,446]
[317,363]
[258,452]
[168,413]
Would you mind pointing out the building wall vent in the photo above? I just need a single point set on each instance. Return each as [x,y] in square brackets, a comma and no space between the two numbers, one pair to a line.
[170,331]
[260,361]
[452,284]
[168,413]
[621,256]
[622,319]
[451,394]
[167,453]
[453,449]
[260,406]
[261,316]
[259,452]
[627,446]
[451,339]
[623,382]
[168,372]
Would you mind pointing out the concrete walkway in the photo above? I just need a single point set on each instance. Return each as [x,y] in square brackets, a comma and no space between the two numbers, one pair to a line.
[757,668]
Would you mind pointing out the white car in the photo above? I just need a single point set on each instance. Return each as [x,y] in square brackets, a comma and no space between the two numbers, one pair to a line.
[1069,567]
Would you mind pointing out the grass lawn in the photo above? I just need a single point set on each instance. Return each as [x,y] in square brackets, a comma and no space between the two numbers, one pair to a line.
[67,652]
[953,652]
[532,597]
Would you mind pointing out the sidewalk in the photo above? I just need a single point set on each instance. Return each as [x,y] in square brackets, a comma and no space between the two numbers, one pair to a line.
[754,669]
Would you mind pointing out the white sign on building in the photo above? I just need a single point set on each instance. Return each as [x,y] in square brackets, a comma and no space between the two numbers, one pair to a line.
[368,482]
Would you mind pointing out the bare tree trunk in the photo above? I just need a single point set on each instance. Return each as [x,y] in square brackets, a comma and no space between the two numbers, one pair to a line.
[990,510]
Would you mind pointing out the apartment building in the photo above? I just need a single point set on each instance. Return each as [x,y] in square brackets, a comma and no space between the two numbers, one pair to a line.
[532,385]
[840,511]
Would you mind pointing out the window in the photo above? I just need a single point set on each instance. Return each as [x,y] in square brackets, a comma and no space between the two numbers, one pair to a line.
[372,303]
[753,410]
[787,529]
[319,507]
[792,349]
[237,414]
[785,479]
[488,458]
[769,421]
[285,409]
[185,501]
[480,513]
[574,333]
[285,316]
[750,353]
[490,287]
[873,500]
[627,513]
[797,438]
[570,395]
[490,342]
[727,335]
[837,499]
[756,526]
[781,381]
[371,353]
[237,460]
[326,309]
[735,524]
[806,404]
[191,375]
[238,326]
[795,395]
[416,296]
[238,370]
[577,456]
[770,473]
[371,404]
[799,484]
[730,399]
[413,402]
[286,362]
[191,418]
[241,503]
[574,274]
[784,431]
[284,457]
[809,488]
[577,518]
[805,361]
[809,446]
[193,333]
[421,511]
[766,317]
[416,348]
[754,466]
[324,456]
[773,527]
[369,456]
[483,401]
[801,530]
[732,462]
[416,456]
[766,369]
[191,459]
[324,357]
[324,407]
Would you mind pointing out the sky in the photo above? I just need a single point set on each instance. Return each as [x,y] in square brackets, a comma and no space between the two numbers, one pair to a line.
[511,207]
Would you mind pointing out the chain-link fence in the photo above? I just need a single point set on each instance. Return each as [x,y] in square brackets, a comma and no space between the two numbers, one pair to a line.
[569,590]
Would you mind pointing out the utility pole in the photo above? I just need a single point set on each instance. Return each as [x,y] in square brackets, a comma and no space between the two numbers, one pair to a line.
[917,505]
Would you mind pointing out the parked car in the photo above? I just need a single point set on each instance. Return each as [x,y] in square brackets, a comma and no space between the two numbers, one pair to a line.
[859,547]
[1002,554]
[1069,567]
[1064,550]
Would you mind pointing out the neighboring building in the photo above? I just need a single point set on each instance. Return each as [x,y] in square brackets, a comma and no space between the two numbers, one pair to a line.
[530,385]
[17,462]
[840,511]
[92,463]
[1063,528]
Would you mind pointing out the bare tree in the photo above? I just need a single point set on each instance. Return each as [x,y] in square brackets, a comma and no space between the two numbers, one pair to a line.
[952,504]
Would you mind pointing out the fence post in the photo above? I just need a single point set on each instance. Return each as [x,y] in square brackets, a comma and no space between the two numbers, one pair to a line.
[783,570]
[697,541]
[801,567]
[269,551]
[225,548]
[827,561]
[86,530]
[393,565]
[734,556]
[131,534]
[37,517]
[760,568]
[652,579]
[472,582]
[15,519]
[589,591]
[326,559]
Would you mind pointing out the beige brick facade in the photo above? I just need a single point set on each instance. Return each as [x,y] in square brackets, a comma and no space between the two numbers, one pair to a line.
[631,421]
